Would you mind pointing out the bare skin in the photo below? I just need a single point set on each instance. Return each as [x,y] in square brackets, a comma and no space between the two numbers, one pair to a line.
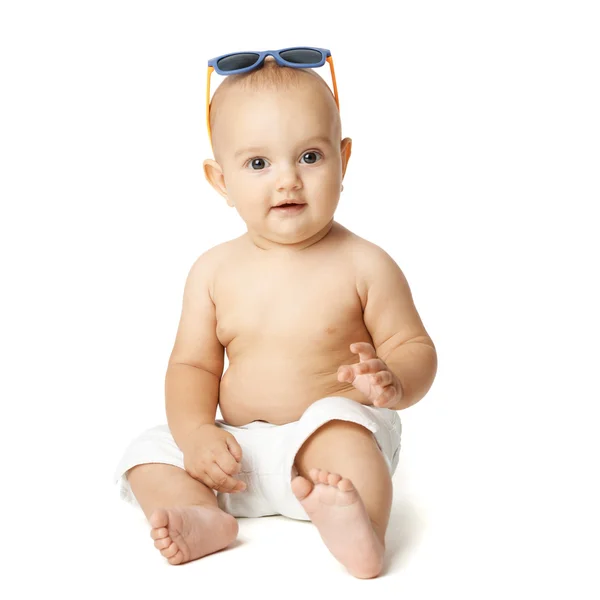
[267,338]
[286,300]
[328,319]
[287,339]
[338,512]
[190,532]
[193,525]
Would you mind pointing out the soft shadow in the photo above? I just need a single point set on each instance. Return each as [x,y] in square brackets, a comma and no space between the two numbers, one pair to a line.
[236,543]
[404,533]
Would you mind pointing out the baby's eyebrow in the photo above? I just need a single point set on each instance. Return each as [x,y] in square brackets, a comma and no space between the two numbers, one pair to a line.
[316,139]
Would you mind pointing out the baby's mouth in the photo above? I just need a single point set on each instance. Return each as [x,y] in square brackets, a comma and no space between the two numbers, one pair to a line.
[290,204]
[289,208]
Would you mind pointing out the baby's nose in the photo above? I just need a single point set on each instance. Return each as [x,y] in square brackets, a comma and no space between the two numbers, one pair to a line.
[288,179]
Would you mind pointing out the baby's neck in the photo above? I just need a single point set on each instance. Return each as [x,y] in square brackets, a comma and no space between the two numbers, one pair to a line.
[276,248]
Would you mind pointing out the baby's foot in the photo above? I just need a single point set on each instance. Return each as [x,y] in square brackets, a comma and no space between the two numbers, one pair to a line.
[189,532]
[336,509]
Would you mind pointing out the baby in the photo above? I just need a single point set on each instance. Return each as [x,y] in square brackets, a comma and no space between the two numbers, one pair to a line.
[324,343]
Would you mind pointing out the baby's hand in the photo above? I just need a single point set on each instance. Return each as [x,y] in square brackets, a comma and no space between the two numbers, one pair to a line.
[212,455]
[372,377]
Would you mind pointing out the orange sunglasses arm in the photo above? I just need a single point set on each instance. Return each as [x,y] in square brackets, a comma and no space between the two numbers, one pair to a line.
[210,70]
[335,91]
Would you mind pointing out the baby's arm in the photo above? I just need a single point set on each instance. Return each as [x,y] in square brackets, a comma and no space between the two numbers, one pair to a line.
[399,336]
[196,362]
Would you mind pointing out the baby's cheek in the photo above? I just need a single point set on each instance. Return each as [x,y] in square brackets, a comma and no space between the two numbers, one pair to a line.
[334,185]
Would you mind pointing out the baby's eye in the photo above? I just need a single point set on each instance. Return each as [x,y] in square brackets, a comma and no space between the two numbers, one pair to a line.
[257,164]
[311,157]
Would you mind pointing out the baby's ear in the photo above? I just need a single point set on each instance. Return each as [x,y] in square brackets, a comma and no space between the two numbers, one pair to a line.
[214,175]
[346,151]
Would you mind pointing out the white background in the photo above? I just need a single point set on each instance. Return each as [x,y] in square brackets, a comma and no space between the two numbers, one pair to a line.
[475,130]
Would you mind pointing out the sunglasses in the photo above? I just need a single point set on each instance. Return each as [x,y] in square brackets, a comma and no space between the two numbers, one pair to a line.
[242,62]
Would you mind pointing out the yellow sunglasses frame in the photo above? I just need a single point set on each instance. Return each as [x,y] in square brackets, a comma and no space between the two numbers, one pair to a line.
[211,69]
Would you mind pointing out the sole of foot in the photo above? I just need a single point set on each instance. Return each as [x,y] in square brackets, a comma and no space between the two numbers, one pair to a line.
[337,510]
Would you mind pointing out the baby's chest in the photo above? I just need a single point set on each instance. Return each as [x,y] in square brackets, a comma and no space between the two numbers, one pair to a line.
[309,311]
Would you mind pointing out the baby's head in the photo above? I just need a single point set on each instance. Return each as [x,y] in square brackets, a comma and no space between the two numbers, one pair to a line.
[276,135]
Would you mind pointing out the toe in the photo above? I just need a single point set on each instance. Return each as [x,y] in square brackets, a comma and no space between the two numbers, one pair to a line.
[334,479]
[314,474]
[159,518]
[177,559]
[162,544]
[345,485]
[323,476]
[301,487]
[170,551]
[159,534]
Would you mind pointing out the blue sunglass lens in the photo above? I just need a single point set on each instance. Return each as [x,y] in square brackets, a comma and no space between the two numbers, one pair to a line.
[302,56]
[237,61]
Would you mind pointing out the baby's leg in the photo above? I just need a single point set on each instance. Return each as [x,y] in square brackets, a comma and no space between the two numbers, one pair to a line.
[186,521]
[346,489]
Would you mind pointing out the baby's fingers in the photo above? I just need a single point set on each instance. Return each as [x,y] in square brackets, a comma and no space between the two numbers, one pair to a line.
[234,448]
[224,483]
[227,463]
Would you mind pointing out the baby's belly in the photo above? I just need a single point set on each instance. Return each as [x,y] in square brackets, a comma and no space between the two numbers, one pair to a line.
[278,388]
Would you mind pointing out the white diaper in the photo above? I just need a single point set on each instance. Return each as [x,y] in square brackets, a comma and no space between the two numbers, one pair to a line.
[268,454]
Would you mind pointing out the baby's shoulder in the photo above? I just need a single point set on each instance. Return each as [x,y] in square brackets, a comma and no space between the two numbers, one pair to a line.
[364,252]
[217,254]
[207,265]
[370,262]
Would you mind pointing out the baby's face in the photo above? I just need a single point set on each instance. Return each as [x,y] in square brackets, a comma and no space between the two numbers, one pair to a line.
[276,145]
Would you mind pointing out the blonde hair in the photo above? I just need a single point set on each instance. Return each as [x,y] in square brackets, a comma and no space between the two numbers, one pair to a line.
[270,76]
